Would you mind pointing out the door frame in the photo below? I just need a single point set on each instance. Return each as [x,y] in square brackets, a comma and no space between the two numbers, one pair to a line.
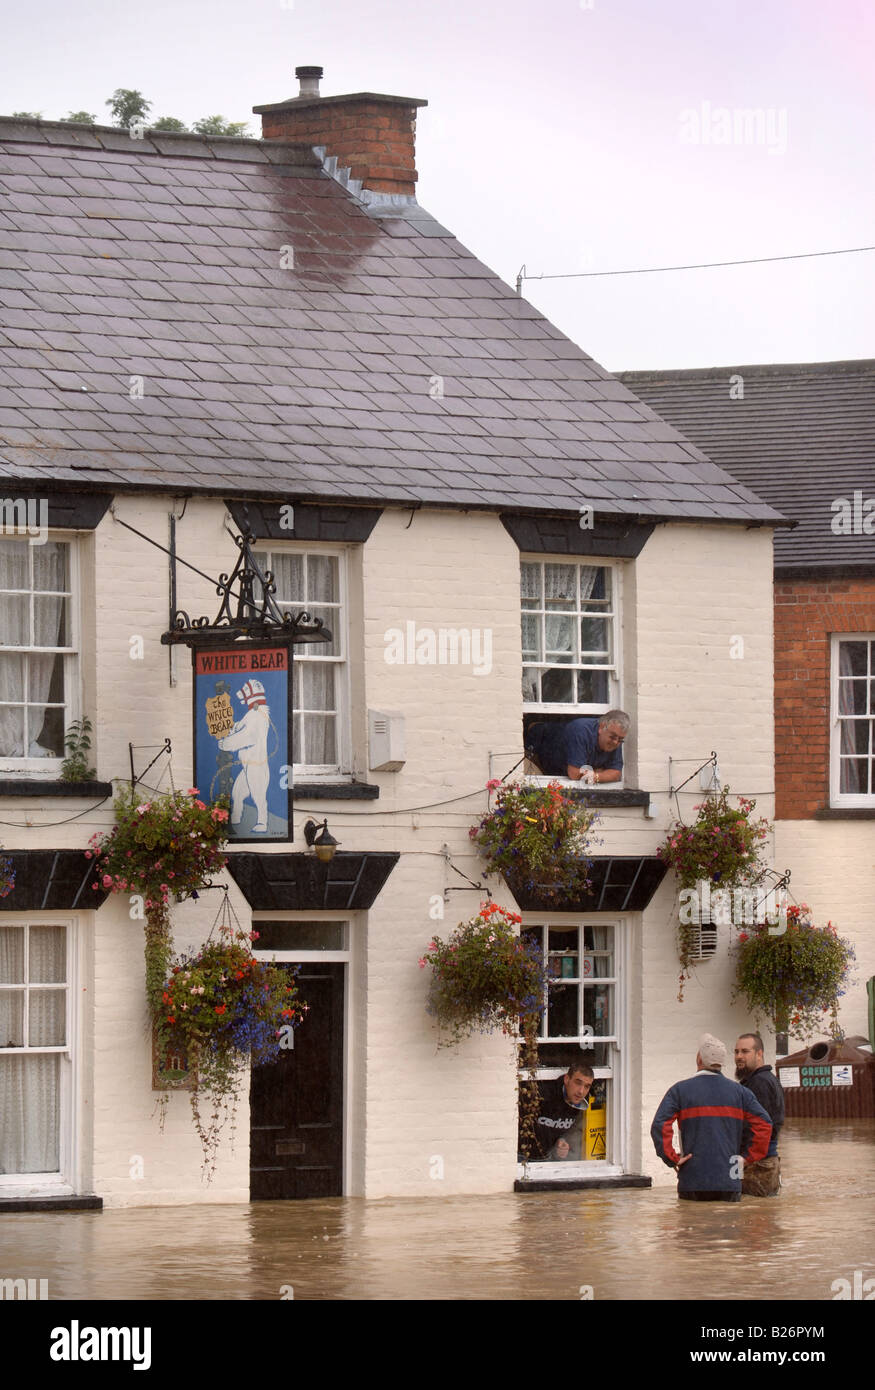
[349,959]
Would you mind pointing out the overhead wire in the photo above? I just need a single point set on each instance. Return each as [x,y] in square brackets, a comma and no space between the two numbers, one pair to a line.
[699,265]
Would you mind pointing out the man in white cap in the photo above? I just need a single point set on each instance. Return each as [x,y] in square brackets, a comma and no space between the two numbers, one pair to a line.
[711,1113]
[248,739]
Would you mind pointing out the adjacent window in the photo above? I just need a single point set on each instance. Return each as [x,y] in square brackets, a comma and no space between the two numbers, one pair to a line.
[315,581]
[569,625]
[853,725]
[37,653]
[34,1048]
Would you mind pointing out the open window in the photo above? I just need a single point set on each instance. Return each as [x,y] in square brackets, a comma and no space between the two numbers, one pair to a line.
[570,623]
[581,1023]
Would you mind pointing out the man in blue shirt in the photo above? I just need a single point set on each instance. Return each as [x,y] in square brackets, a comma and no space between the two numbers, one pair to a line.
[589,749]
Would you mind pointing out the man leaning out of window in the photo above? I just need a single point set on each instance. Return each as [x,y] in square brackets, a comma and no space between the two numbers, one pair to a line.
[588,750]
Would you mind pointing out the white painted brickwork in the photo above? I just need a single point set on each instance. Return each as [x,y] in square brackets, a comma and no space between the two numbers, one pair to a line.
[691,592]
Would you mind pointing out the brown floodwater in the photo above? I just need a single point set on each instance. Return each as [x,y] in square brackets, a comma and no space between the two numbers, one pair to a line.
[626,1244]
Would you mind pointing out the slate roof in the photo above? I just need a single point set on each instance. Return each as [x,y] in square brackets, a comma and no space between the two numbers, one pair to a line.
[160,258]
[802,437]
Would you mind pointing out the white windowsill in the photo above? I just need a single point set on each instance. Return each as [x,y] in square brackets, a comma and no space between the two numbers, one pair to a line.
[555,1172]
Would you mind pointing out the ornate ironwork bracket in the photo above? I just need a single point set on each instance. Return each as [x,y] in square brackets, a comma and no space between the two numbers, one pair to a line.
[256,618]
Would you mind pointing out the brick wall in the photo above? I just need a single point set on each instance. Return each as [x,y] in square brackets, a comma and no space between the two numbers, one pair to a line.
[807,612]
[373,138]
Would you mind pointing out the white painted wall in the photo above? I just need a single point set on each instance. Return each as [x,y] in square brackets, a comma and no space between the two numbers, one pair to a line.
[691,591]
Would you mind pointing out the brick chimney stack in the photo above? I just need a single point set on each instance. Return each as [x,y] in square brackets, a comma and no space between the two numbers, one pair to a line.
[370,133]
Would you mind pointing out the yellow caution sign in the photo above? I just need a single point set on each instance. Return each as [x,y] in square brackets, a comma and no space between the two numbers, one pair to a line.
[596,1132]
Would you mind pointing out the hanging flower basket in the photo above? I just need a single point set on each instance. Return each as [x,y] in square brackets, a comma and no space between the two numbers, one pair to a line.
[537,838]
[722,847]
[222,1008]
[168,845]
[484,977]
[794,977]
[7,876]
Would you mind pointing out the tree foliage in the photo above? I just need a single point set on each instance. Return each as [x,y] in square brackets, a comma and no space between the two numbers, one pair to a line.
[169,123]
[217,125]
[128,106]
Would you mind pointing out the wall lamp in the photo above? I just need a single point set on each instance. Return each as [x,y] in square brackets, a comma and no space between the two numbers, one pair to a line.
[323,844]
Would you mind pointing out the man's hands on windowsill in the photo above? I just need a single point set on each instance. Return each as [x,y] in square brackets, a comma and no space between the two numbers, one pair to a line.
[594,777]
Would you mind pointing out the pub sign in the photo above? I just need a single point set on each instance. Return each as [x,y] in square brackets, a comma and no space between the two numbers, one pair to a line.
[242,736]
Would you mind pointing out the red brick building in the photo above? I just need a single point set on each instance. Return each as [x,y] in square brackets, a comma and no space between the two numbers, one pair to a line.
[803,437]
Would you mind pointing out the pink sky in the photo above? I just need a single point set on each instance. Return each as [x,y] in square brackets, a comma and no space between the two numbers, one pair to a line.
[554,137]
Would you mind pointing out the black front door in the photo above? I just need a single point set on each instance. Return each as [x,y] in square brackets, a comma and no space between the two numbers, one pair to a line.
[296,1104]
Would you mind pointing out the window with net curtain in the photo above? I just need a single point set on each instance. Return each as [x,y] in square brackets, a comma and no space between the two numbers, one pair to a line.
[33,1040]
[35,645]
[567,635]
[313,581]
[855,706]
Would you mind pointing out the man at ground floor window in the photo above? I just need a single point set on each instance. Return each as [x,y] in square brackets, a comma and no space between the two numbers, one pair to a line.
[560,1122]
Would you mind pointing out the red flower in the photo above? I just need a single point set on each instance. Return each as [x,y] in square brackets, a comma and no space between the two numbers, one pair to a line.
[220,1008]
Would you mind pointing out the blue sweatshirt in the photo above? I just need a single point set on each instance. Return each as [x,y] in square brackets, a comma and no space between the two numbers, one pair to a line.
[572,743]
[712,1113]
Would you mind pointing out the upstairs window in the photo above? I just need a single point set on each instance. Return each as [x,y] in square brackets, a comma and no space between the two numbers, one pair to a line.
[569,621]
[852,775]
[315,581]
[37,653]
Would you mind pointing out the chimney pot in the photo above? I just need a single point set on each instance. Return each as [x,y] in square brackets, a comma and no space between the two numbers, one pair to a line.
[309,79]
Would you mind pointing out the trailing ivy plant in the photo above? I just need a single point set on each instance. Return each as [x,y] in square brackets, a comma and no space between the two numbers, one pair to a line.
[528,1091]
[793,977]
